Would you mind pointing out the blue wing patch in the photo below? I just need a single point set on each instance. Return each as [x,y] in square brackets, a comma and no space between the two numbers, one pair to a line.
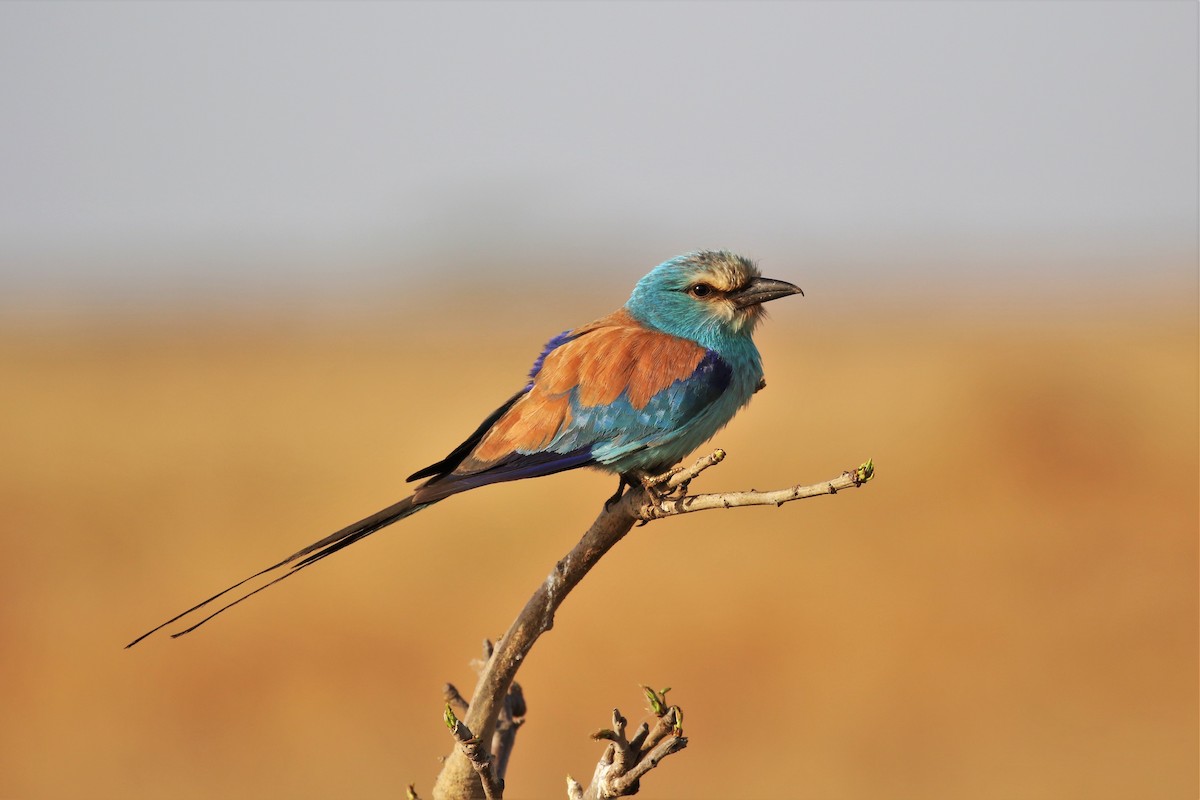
[618,429]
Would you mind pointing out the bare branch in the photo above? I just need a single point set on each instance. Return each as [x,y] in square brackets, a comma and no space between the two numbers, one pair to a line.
[658,497]
[659,505]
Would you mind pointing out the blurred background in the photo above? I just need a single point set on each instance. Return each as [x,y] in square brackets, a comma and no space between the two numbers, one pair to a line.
[258,262]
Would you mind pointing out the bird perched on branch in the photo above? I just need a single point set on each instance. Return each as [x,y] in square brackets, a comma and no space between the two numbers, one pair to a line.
[630,393]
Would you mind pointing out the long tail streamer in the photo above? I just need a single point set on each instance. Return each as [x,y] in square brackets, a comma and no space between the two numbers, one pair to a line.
[300,559]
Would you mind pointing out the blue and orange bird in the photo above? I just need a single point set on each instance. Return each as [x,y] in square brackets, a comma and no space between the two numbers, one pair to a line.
[633,392]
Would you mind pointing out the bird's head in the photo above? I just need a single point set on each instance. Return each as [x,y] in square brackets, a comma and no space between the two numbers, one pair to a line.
[705,296]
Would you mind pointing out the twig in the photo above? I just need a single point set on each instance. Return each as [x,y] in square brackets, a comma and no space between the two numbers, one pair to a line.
[660,505]
[458,779]
[481,760]
[510,719]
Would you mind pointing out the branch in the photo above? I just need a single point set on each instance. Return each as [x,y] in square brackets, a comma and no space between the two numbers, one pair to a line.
[458,779]
[625,761]
[480,759]
[509,721]
[667,495]
[658,497]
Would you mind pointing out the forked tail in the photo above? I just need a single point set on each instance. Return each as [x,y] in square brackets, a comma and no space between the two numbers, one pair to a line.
[301,559]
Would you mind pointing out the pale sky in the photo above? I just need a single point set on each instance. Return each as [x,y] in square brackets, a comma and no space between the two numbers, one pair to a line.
[264,148]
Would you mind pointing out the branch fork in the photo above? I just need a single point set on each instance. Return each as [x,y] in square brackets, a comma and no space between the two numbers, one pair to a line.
[473,772]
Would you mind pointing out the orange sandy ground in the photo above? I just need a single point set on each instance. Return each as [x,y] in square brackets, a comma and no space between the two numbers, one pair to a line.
[1009,610]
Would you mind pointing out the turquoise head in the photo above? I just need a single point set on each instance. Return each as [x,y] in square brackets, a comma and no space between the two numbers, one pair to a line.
[713,297]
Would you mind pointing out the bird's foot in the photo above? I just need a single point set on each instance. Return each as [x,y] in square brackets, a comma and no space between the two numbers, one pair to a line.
[659,487]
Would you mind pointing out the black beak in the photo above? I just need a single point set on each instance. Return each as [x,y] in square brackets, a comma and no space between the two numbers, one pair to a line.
[760,290]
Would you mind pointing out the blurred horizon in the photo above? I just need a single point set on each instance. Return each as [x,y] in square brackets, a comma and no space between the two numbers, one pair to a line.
[193,155]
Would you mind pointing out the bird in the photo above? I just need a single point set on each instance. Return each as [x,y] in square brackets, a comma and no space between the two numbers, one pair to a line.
[631,393]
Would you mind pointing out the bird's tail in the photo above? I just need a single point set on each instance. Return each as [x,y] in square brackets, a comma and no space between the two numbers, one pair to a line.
[301,559]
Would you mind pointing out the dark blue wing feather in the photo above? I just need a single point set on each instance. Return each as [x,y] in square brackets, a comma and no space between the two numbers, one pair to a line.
[513,468]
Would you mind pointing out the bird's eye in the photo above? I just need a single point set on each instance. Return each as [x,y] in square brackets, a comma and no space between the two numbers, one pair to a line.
[700,290]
